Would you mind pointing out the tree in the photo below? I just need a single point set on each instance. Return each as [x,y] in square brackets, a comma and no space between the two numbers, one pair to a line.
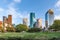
[56,25]
[10,29]
[21,27]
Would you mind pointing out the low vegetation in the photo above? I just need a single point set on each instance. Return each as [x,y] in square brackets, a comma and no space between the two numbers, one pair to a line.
[34,30]
[27,35]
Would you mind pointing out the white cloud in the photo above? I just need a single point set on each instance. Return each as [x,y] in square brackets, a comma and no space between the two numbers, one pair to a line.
[1,9]
[57,4]
[17,16]
[17,1]
[57,9]
[57,17]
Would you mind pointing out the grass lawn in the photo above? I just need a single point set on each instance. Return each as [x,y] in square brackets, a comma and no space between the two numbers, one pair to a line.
[36,35]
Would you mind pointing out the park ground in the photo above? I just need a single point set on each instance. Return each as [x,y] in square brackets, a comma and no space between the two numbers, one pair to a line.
[27,35]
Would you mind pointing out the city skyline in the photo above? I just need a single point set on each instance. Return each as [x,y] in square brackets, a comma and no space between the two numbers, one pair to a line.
[20,9]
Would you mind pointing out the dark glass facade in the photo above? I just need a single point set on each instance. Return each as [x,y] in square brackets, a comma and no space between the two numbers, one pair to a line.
[32,21]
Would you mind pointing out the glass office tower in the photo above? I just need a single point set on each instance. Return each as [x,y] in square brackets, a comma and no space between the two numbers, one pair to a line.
[49,18]
[32,19]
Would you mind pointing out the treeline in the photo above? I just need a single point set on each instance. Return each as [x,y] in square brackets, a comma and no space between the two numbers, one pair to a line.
[22,27]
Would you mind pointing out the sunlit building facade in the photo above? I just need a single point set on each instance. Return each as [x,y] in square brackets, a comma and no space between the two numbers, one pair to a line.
[38,23]
[7,22]
[10,20]
[25,21]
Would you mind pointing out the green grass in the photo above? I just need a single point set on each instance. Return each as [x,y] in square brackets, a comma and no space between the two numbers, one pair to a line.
[36,35]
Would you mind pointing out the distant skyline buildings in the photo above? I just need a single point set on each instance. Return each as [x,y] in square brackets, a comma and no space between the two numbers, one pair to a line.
[49,19]
[23,8]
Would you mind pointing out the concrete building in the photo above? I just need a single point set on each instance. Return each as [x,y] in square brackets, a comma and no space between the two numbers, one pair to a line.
[7,22]
[10,20]
[38,23]
[32,19]
[49,18]
[25,21]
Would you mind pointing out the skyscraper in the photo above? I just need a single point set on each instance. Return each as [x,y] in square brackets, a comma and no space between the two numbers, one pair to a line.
[49,18]
[32,19]
[5,21]
[25,21]
[10,19]
[38,23]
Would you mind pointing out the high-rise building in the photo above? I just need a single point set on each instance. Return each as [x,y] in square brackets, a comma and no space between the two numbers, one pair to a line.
[10,19]
[25,21]
[49,18]
[38,24]
[32,19]
[5,21]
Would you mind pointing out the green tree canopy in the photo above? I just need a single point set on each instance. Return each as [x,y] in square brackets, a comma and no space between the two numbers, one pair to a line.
[56,25]
[21,27]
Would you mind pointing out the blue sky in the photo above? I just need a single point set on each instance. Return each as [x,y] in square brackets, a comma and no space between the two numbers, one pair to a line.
[20,9]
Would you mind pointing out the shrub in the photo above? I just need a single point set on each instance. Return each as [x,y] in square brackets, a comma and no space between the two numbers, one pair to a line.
[34,30]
